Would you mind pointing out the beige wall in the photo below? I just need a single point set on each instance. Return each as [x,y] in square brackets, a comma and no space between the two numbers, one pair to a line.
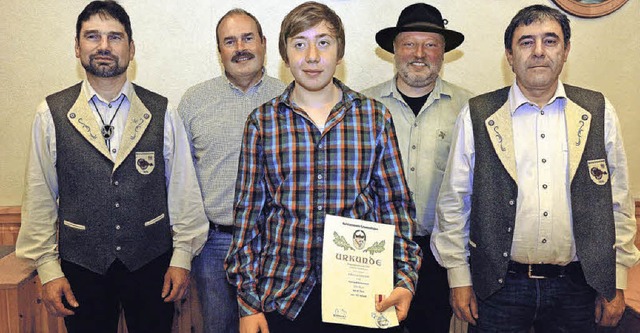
[176,49]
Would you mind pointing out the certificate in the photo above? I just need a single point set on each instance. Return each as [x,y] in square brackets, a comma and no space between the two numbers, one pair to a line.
[357,268]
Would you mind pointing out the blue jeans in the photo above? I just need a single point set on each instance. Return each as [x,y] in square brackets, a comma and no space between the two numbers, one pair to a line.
[561,304]
[217,296]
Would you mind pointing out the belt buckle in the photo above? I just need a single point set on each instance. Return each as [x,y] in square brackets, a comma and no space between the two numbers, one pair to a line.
[532,276]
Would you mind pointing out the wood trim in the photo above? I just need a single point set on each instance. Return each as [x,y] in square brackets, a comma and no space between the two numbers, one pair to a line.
[585,9]
[9,214]
[638,224]
[9,224]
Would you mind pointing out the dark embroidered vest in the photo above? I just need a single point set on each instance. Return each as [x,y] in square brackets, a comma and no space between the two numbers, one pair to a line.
[493,206]
[105,214]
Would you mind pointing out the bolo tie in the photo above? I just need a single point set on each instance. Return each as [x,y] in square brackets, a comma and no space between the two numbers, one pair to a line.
[107,129]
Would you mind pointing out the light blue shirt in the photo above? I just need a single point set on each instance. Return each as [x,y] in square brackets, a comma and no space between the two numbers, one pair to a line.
[424,140]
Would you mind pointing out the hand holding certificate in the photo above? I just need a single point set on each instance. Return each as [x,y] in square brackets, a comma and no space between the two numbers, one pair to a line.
[357,257]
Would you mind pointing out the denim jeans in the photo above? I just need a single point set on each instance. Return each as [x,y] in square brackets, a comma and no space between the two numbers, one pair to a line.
[561,304]
[217,296]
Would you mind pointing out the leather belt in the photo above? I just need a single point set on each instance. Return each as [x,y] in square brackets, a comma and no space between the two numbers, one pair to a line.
[543,271]
[227,229]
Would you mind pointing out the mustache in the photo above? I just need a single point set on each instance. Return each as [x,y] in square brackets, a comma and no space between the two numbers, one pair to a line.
[242,54]
[421,60]
[102,53]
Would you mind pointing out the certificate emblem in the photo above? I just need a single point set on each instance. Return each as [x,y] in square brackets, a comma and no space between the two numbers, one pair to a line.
[598,171]
[145,162]
[359,239]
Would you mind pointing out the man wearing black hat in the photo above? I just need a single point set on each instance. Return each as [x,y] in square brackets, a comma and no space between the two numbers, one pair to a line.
[424,109]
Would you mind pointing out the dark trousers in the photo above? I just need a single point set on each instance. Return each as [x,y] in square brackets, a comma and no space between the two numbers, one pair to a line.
[430,310]
[310,320]
[101,297]
[559,304]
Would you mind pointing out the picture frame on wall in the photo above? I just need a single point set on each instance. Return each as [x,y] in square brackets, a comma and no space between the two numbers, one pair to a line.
[590,8]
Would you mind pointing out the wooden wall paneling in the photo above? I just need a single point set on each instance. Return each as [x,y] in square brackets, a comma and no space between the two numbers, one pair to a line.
[9,224]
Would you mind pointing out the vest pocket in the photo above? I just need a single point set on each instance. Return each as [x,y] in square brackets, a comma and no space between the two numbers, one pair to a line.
[154,220]
[74,225]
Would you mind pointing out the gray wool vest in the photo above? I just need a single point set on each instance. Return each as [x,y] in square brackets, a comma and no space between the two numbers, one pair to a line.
[493,203]
[104,214]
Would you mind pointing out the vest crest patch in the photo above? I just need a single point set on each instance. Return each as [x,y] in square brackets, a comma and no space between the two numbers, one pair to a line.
[145,162]
[598,171]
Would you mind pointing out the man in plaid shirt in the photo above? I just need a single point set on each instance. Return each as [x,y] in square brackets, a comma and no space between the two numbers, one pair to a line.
[319,148]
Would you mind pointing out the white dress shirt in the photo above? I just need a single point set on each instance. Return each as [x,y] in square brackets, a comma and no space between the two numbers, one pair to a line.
[37,239]
[543,230]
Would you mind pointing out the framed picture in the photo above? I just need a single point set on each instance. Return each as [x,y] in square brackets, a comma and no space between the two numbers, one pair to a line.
[590,8]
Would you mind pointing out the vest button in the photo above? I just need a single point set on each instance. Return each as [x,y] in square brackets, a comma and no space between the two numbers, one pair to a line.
[512,202]
[508,229]
[117,205]
[116,183]
[118,248]
[118,227]
[505,254]
[500,281]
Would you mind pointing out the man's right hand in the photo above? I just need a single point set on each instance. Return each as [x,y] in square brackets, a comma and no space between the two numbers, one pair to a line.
[463,302]
[52,293]
[254,323]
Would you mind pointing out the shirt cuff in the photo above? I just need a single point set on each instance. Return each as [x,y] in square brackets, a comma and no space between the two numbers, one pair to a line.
[249,306]
[459,276]
[621,276]
[49,271]
[181,258]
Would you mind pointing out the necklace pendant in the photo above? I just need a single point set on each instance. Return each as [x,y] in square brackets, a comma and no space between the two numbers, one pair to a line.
[107,131]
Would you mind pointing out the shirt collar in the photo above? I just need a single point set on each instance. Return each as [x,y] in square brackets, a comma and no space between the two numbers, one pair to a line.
[89,92]
[348,96]
[234,87]
[517,98]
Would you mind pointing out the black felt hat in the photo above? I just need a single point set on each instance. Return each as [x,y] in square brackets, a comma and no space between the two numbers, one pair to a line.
[419,17]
